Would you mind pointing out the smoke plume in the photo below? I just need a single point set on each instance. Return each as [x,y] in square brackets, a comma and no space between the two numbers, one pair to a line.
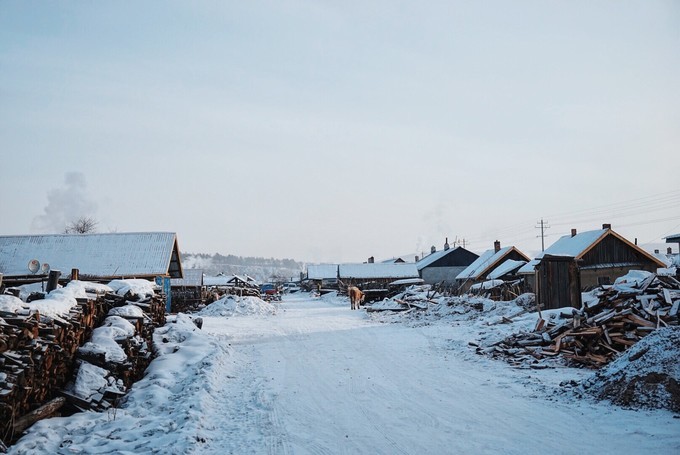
[65,205]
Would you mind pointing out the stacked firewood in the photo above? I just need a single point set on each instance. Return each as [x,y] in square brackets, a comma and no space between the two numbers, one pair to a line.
[38,356]
[602,329]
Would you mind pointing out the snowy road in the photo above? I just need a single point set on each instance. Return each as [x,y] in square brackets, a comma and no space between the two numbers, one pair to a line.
[315,377]
[318,378]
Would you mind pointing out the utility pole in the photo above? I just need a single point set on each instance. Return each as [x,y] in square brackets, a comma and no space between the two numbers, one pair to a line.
[543,225]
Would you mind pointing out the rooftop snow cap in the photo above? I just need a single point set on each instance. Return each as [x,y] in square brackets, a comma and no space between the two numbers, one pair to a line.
[497,246]
[606,226]
[573,232]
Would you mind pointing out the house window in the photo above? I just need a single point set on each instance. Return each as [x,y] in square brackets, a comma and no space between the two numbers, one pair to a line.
[603,280]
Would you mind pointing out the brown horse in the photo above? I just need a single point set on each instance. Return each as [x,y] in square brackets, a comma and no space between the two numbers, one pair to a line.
[356,297]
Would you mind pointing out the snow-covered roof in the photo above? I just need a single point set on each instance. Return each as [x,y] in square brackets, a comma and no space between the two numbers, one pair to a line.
[506,267]
[577,245]
[322,271]
[529,268]
[372,270]
[487,260]
[221,280]
[139,254]
[407,281]
[393,261]
[675,238]
[192,278]
[431,258]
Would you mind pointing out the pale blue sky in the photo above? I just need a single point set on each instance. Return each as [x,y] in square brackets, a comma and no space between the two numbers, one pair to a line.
[334,131]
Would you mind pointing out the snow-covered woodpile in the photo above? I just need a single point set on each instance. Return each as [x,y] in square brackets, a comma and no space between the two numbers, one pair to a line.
[609,324]
[43,342]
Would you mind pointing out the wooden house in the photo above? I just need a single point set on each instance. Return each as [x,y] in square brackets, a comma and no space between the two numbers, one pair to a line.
[375,279]
[322,276]
[479,270]
[97,257]
[187,291]
[445,265]
[580,261]
[381,274]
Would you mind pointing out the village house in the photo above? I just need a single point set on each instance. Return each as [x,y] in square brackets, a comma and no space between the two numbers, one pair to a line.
[322,276]
[479,270]
[189,290]
[581,261]
[444,266]
[95,257]
[375,274]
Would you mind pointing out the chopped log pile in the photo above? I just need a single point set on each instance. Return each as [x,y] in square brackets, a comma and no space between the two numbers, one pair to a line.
[38,356]
[413,298]
[501,291]
[602,329]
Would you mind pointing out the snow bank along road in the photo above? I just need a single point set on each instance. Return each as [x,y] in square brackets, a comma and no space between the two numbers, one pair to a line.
[317,378]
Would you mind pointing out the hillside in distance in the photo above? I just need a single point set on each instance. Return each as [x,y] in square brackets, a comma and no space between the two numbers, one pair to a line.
[262,269]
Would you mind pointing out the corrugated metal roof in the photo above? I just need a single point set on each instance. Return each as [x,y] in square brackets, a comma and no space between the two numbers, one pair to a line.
[139,254]
[372,270]
[322,271]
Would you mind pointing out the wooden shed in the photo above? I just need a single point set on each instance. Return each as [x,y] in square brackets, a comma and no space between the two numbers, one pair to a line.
[586,260]
[558,282]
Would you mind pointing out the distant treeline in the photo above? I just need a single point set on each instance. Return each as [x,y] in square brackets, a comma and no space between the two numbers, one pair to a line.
[258,267]
[241,260]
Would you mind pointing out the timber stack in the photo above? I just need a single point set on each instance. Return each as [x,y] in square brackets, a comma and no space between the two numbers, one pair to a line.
[601,330]
[39,355]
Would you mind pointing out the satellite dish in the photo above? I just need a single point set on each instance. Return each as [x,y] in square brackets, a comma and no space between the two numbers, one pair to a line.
[45,268]
[33,265]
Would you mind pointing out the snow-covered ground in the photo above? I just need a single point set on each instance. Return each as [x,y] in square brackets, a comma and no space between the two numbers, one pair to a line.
[313,377]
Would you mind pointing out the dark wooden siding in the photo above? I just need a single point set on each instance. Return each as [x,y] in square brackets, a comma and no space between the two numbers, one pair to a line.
[558,283]
[612,250]
[459,257]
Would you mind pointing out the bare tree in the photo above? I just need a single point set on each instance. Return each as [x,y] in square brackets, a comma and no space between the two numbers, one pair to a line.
[83,225]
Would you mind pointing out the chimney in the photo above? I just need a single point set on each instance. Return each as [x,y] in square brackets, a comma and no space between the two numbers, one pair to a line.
[446,244]
[371,260]
[573,232]
[669,250]
[433,249]
[417,259]
[497,246]
[606,226]
[635,241]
